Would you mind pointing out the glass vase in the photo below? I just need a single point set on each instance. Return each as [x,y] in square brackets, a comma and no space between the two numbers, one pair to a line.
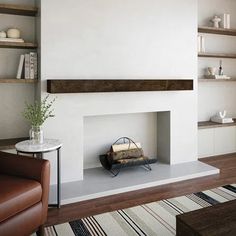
[36,135]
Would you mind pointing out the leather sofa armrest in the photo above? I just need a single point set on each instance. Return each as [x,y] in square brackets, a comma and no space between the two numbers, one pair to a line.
[22,166]
[30,168]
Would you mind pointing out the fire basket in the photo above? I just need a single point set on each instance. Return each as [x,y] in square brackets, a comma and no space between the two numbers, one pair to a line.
[125,153]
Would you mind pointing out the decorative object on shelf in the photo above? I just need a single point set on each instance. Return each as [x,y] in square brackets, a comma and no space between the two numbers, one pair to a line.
[216,21]
[28,66]
[226,21]
[221,118]
[3,34]
[221,71]
[11,36]
[13,33]
[211,73]
[201,43]
[211,70]
[125,154]
[37,114]
[20,67]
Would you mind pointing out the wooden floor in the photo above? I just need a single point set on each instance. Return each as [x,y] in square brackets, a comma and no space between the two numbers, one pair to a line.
[226,164]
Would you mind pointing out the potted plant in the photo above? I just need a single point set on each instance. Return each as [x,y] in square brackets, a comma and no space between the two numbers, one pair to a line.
[37,113]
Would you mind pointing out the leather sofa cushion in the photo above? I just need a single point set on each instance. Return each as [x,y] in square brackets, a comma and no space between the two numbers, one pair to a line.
[17,194]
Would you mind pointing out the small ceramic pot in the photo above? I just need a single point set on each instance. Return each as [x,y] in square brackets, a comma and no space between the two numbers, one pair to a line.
[211,70]
[3,34]
[13,33]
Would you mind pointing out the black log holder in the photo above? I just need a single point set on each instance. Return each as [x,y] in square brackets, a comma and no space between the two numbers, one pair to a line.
[115,167]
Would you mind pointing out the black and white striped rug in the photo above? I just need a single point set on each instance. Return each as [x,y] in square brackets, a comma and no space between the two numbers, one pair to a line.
[156,218]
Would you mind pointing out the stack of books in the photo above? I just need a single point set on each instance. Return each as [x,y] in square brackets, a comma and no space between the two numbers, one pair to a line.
[28,66]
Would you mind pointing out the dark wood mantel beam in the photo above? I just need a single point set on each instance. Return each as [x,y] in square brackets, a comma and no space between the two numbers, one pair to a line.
[97,86]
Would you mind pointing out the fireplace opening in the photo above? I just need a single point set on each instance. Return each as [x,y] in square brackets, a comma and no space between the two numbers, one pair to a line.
[150,129]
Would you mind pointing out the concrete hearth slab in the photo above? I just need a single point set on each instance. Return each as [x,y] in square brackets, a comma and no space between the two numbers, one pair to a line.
[99,183]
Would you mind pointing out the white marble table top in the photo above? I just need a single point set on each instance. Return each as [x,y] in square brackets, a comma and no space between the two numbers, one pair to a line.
[47,146]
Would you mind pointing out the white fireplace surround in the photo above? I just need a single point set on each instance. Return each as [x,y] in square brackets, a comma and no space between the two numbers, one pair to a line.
[175,141]
[177,130]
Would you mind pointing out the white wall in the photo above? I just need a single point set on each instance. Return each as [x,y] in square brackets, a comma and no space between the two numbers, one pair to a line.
[213,97]
[13,96]
[119,39]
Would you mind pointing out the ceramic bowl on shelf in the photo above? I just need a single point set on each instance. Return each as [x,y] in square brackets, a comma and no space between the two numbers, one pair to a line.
[13,33]
[3,34]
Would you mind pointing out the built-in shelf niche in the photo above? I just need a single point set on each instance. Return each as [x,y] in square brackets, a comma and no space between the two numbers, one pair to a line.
[20,10]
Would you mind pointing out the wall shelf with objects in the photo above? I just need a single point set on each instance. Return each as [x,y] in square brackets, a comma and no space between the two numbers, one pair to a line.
[212,30]
[18,45]
[217,55]
[18,10]
[18,81]
[210,124]
[217,80]
[13,43]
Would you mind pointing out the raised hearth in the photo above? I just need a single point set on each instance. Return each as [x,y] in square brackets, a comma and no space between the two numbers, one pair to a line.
[98,182]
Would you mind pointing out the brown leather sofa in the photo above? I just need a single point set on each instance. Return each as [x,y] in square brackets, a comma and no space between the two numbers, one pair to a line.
[24,189]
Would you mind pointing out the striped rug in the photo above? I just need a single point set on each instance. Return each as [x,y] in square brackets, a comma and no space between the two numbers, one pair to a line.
[156,218]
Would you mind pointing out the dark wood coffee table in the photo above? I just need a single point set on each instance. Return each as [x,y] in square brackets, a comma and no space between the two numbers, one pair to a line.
[217,220]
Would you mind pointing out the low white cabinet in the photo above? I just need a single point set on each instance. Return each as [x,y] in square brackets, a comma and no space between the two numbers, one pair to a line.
[216,141]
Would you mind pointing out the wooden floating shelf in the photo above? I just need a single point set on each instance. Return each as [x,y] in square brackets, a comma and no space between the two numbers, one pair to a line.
[18,45]
[18,81]
[217,80]
[217,55]
[210,124]
[18,10]
[221,31]
[97,86]
[10,143]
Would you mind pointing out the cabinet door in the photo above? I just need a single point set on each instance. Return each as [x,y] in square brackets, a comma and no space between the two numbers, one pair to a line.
[205,142]
[225,140]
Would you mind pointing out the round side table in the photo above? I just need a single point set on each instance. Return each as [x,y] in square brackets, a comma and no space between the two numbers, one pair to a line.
[49,145]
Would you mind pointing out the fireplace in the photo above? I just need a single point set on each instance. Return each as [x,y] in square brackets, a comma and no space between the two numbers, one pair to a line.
[150,129]
[165,123]
[91,117]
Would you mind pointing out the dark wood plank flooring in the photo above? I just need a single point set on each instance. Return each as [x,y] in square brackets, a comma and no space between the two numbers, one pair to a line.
[226,164]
